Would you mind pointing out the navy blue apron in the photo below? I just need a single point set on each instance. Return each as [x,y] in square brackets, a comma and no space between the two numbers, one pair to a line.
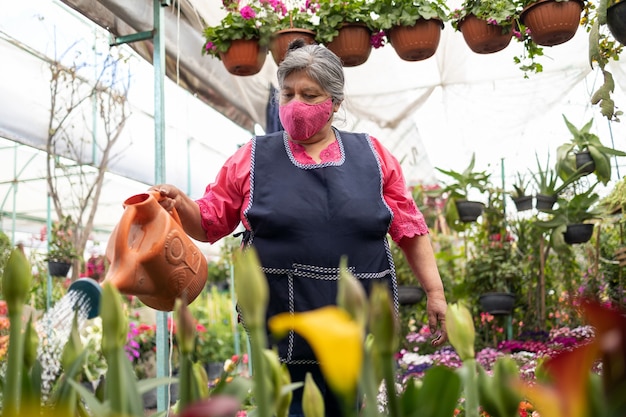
[303,218]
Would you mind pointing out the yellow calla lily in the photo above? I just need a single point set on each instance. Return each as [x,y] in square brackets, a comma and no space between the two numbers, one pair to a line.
[336,339]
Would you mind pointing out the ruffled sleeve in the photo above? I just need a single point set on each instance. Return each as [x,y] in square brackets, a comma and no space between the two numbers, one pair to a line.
[408,220]
[223,201]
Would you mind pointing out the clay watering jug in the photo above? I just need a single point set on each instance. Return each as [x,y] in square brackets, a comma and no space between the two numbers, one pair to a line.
[152,257]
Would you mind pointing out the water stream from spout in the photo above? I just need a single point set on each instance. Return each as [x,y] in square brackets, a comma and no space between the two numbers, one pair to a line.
[54,330]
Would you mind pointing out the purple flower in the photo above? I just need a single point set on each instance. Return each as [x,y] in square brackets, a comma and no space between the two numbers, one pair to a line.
[377,40]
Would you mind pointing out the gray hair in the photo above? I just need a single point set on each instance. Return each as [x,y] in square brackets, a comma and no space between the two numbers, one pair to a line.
[319,63]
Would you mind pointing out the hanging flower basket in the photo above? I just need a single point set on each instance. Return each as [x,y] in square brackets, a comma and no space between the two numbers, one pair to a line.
[352,44]
[616,21]
[417,42]
[244,57]
[280,41]
[551,22]
[482,37]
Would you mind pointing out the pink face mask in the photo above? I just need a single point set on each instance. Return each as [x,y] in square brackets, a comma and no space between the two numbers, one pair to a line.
[302,120]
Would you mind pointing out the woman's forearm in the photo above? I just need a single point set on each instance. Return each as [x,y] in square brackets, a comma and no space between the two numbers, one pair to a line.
[419,254]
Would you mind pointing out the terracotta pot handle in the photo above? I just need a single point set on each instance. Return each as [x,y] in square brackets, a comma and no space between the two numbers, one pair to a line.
[173,212]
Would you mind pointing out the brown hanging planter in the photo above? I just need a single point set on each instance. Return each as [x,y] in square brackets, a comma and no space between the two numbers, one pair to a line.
[616,21]
[352,44]
[244,57]
[417,42]
[551,22]
[281,39]
[482,37]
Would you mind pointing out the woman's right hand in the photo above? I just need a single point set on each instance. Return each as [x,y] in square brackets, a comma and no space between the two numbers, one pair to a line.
[169,196]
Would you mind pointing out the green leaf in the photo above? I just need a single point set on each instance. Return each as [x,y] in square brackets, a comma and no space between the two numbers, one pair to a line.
[437,396]
[603,165]
[146,385]
[98,409]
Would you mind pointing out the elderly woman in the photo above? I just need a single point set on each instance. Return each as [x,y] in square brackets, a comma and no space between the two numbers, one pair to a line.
[309,195]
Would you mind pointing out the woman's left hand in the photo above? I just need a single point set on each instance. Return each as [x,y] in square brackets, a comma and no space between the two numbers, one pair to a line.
[436,307]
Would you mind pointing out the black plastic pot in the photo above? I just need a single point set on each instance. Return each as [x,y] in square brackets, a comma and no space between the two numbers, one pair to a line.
[469,210]
[497,303]
[409,294]
[523,203]
[586,162]
[578,233]
[544,202]
[59,269]
[616,21]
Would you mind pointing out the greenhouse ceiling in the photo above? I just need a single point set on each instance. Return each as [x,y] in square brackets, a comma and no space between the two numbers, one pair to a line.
[432,113]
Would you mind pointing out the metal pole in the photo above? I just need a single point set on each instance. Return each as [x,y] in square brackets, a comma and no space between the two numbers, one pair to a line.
[509,318]
[162,331]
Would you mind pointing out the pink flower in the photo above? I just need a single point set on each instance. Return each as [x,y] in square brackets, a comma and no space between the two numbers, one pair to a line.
[247,12]
[210,46]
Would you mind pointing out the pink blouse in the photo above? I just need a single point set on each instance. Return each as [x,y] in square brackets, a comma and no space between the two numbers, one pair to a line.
[224,200]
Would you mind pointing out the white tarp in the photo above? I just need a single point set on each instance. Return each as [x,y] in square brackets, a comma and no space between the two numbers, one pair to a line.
[432,113]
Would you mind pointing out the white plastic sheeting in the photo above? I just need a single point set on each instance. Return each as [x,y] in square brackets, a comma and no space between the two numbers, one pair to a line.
[432,113]
[198,139]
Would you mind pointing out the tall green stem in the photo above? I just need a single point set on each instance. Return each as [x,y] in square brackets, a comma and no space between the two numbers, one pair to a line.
[13,382]
[368,386]
[470,384]
[185,382]
[389,377]
[259,371]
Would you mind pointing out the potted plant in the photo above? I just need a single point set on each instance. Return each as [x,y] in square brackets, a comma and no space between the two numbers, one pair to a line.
[549,185]
[522,200]
[486,25]
[551,22]
[491,275]
[61,248]
[289,24]
[615,201]
[241,39]
[494,269]
[585,154]
[568,223]
[458,207]
[346,27]
[413,27]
